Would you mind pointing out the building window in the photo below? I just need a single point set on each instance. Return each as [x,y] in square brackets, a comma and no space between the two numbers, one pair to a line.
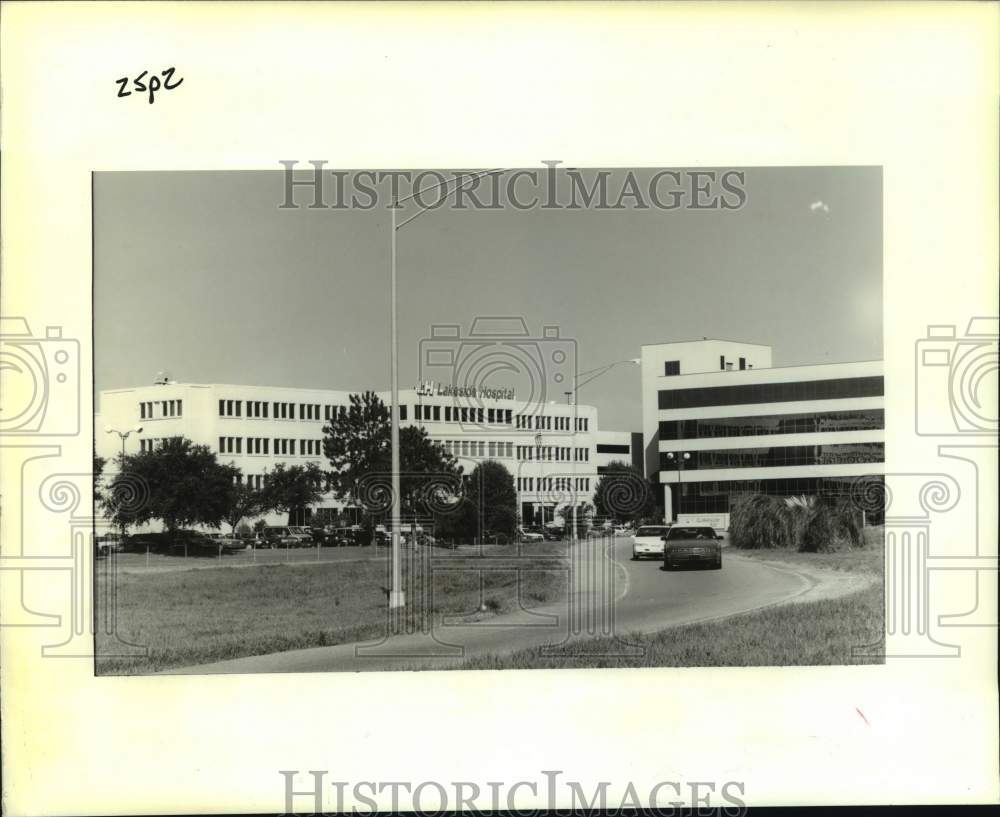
[743,363]
[608,448]
[800,423]
[842,454]
[789,392]
[671,368]
[402,413]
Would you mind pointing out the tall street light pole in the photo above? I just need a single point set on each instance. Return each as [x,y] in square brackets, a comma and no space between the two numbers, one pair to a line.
[591,375]
[123,435]
[679,457]
[397,597]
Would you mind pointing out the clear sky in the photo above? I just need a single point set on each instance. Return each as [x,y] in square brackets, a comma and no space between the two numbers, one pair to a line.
[201,275]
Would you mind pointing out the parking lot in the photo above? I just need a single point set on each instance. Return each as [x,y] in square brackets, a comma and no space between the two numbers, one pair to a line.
[202,558]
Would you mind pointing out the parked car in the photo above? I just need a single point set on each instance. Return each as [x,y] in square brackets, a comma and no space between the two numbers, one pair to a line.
[230,542]
[552,534]
[110,543]
[278,536]
[353,536]
[620,531]
[692,545]
[648,541]
[530,535]
[303,534]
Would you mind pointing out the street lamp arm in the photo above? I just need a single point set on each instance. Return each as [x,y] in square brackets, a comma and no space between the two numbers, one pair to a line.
[459,184]
[596,373]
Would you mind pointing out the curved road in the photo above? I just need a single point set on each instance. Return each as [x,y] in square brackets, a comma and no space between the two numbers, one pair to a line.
[610,594]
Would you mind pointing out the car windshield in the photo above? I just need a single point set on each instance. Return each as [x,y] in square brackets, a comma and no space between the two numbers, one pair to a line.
[691,533]
[651,531]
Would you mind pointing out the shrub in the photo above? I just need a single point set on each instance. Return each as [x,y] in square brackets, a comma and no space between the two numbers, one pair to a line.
[807,524]
[760,521]
[835,525]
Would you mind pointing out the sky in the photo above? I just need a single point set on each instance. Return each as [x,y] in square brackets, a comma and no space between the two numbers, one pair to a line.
[203,276]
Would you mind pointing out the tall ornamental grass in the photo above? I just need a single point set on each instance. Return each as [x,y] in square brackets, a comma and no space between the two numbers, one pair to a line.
[806,524]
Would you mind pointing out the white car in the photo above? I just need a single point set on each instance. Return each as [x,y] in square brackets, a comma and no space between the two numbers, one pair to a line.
[648,541]
[620,531]
[529,535]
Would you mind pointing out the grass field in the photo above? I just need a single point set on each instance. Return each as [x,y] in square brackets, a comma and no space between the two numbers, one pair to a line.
[804,634]
[197,616]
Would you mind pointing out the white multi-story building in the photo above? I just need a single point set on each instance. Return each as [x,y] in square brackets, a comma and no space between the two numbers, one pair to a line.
[718,421]
[549,449]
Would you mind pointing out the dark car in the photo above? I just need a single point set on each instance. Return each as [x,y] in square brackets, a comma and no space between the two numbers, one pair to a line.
[692,545]
[286,536]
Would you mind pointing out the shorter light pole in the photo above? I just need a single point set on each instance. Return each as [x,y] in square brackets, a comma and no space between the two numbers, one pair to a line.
[123,435]
[679,457]
[591,374]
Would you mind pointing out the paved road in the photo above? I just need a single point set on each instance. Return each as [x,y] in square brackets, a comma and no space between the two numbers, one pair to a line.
[609,594]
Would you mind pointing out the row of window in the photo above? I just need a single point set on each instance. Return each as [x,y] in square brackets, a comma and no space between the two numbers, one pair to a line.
[552,453]
[278,410]
[771,392]
[478,448]
[281,446]
[460,414]
[806,423]
[609,448]
[847,453]
[257,481]
[157,409]
[540,422]
[449,414]
[527,484]
[151,443]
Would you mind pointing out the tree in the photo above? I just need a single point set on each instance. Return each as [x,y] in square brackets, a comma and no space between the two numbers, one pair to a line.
[623,493]
[244,503]
[584,511]
[357,444]
[490,487]
[460,521]
[292,489]
[99,463]
[177,483]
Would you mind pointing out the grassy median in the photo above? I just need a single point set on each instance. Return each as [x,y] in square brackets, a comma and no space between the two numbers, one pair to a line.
[188,617]
[802,634]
